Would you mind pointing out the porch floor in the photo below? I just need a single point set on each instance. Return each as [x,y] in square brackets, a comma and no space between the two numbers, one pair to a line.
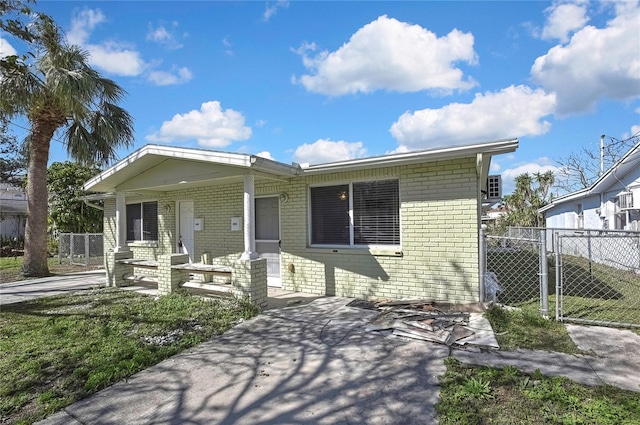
[276,297]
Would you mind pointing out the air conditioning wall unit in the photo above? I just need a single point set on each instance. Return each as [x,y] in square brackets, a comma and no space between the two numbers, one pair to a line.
[494,188]
[625,201]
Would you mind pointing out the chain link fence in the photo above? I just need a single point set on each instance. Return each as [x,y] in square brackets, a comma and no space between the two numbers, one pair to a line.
[599,278]
[590,276]
[81,248]
[515,270]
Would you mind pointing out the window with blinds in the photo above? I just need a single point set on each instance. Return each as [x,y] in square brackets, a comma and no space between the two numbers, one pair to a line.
[359,213]
[142,221]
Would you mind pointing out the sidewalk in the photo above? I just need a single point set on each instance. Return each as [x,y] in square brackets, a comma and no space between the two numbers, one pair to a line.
[615,359]
[25,290]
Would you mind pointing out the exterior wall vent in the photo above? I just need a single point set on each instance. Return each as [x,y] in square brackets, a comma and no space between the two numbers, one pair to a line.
[494,188]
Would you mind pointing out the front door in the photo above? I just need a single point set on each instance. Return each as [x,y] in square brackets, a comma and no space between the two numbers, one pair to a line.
[185,229]
[268,236]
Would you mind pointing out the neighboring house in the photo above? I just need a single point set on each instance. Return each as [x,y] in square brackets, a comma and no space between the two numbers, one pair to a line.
[13,211]
[396,226]
[611,203]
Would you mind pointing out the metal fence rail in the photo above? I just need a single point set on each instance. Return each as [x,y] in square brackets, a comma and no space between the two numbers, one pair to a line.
[81,248]
[598,278]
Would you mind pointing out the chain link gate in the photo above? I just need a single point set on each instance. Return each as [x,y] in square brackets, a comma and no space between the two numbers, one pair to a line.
[81,248]
[598,277]
[515,270]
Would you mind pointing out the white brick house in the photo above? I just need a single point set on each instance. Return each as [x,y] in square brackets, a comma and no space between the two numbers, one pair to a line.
[611,203]
[395,226]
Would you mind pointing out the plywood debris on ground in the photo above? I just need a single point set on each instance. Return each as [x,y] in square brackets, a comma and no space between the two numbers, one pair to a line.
[421,320]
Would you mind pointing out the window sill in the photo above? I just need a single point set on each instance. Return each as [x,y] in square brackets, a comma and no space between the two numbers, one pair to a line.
[143,244]
[375,252]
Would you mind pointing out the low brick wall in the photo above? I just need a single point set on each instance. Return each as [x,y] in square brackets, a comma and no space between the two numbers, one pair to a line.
[249,278]
[116,272]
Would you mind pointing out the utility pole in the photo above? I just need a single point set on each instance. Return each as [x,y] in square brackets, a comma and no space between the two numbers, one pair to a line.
[601,155]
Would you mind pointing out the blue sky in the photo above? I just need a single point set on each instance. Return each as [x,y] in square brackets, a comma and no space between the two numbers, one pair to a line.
[323,81]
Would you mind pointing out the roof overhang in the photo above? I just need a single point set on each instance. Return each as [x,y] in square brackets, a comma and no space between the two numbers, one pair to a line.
[156,168]
[163,168]
[613,175]
[463,151]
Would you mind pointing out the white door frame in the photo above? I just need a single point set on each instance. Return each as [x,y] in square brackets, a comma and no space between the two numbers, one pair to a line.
[178,248]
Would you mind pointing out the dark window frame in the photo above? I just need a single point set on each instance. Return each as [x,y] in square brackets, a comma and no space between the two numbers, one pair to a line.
[146,229]
[357,214]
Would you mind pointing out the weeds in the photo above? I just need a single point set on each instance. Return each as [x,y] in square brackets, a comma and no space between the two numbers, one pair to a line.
[57,350]
[479,395]
[527,329]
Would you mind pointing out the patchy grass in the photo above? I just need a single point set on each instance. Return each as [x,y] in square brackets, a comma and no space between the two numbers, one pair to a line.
[11,268]
[527,329]
[57,350]
[484,395]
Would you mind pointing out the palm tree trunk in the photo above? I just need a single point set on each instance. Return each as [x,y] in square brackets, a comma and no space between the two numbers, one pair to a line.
[35,238]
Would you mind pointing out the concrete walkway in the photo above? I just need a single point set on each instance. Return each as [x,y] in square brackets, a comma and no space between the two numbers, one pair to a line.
[311,364]
[309,360]
[25,290]
[614,358]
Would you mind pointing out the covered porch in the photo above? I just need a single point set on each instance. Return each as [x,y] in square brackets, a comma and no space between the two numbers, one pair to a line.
[166,211]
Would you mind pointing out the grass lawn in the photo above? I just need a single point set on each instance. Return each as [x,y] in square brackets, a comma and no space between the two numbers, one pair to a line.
[484,395]
[11,268]
[527,329]
[591,291]
[57,350]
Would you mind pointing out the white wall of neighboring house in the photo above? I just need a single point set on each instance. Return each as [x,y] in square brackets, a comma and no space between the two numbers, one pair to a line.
[13,211]
[600,210]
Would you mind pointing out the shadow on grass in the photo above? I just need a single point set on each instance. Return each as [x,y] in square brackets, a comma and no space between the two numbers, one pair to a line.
[518,274]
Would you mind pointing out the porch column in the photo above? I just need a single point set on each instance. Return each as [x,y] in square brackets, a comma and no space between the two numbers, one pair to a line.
[249,219]
[121,223]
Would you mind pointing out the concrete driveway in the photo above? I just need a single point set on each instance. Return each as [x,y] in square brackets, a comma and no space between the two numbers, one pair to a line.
[311,364]
[25,290]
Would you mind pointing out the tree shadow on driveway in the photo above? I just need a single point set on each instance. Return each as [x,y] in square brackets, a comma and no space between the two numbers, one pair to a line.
[303,365]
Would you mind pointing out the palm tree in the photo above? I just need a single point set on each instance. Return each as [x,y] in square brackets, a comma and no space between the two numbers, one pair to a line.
[59,91]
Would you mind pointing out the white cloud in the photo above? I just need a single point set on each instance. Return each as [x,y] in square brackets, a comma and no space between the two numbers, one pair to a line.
[82,24]
[112,57]
[387,54]
[211,126]
[6,49]
[597,63]
[265,154]
[120,58]
[116,58]
[326,150]
[164,36]
[227,46]
[509,175]
[515,111]
[261,123]
[164,78]
[563,19]
[272,9]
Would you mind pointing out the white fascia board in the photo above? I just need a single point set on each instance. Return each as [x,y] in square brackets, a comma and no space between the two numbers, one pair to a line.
[201,155]
[491,148]
[583,193]
[625,164]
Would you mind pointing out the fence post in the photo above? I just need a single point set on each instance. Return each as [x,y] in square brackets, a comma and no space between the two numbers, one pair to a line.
[59,248]
[71,248]
[544,274]
[86,249]
[482,263]
[558,252]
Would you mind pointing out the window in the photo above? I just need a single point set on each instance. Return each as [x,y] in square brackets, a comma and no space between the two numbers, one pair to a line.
[356,214]
[142,221]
